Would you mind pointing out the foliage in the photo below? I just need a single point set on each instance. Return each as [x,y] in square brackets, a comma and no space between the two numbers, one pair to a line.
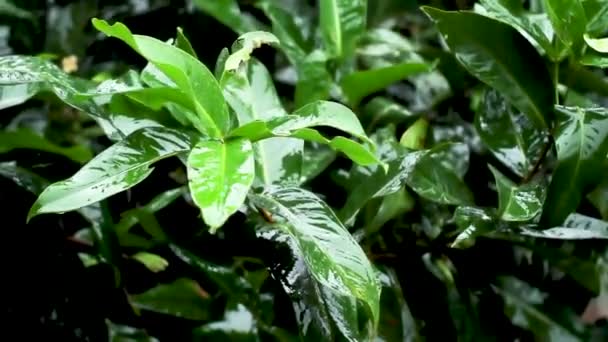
[351,163]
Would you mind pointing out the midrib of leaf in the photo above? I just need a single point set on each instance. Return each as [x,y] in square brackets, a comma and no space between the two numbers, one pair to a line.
[503,67]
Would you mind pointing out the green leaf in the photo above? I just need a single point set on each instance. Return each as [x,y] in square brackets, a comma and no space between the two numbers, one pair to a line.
[182,42]
[118,168]
[594,60]
[569,21]
[518,203]
[25,138]
[396,320]
[314,81]
[8,9]
[576,227]
[597,16]
[220,175]
[229,14]
[514,15]
[599,45]
[500,57]
[316,159]
[123,333]
[392,206]
[530,309]
[23,177]
[190,75]
[472,222]
[239,324]
[415,135]
[320,113]
[599,198]
[17,94]
[182,298]
[243,48]
[342,23]
[362,83]
[509,134]
[332,255]
[582,145]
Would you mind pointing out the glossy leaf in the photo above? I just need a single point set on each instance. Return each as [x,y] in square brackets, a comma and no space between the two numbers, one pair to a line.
[509,134]
[518,203]
[183,298]
[190,75]
[500,57]
[596,10]
[595,60]
[238,324]
[582,145]
[23,177]
[362,83]
[576,227]
[599,45]
[472,223]
[17,94]
[332,255]
[569,21]
[119,167]
[229,14]
[219,176]
[316,159]
[342,23]
[25,138]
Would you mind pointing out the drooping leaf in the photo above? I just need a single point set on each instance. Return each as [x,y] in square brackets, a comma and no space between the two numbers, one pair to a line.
[332,255]
[182,298]
[500,57]
[569,21]
[362,83]
[244,46]
[119,167]
[582,145]
[518,203]
[219,176]
[190,75]
[342,23]
[509,134]
[229,13]
[25,138]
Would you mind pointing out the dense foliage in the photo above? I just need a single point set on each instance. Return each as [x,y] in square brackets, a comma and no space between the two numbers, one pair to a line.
[318,170]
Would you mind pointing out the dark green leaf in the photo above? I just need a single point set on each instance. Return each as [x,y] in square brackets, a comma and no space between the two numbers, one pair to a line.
[597,16]
[599,198]
[499,56]
[23,177]
[518,203]
[594,60]
[569,21]
[472,222]
[220,175]
[582,145]
[190,75]
[509,134]
[362,83]
[121,166]
[229,14]
[7,8]
[25,138]
[314,81]
[183,298]
[342,24]
[396,320]
[332,255]
[315,160]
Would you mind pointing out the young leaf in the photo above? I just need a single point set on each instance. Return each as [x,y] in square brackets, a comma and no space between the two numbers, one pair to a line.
[342,23]
[332,255]
[582,145]
[509,134]
[190,75]
[118,168]
[219,176]
[182,42]
[362,83]
[500,57]
[518,203]
[569,21]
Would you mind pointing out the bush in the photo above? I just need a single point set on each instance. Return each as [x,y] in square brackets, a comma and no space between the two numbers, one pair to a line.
[331,170]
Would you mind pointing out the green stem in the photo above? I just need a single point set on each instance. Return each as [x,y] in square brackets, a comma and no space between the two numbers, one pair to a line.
[556,80]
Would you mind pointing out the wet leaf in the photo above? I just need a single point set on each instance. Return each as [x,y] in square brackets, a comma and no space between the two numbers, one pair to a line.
[229,13]
[518,203]
[119,167]
[243,48]
[342,24]
[582,145]
[220,175]
[392,206]
[500,57]
[191,76]
[238,324]
[362,83]
[316,159]
[472,222]
[182,298]
[576,227]
[25,138]
[396,320]
[332,255]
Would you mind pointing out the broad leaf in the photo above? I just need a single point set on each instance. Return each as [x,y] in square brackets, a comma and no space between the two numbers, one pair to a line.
[582,145]
[314,81]
[12,95]
[509,134]
[219,176]
[569,21]
[190,75]
[472,223]
[576,227]
[332,255]
[599,45]
[342,23]
[25,138]
[597,16]
[500,57]
[183,298]
[518,203]
[229,14]
[118,168]
[362,83]
[595,60]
